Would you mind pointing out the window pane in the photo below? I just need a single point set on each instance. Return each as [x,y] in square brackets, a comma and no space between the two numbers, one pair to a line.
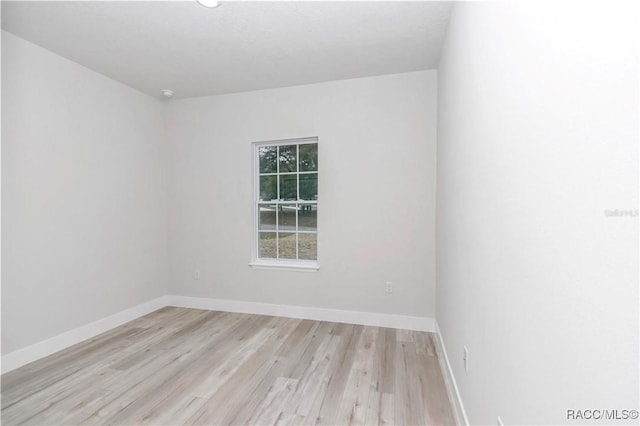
[287,245]
[308,246]
[268,245]
[287,218]
[288,187]
[308,217]
[288,158]
[309,186]
[287,174]
[268,156]
[309,157]
[268,188]
[267,217]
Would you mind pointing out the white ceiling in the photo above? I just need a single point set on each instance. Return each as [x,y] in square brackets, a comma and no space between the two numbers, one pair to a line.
[239,46]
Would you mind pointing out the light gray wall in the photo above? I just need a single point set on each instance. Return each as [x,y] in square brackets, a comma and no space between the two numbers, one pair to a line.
[377,146]
[538,136]
[84,223]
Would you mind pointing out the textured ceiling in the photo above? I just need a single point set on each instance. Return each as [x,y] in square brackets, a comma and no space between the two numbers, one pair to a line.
[238,46]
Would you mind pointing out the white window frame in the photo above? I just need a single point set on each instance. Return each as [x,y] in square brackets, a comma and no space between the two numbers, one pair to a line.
[279,264]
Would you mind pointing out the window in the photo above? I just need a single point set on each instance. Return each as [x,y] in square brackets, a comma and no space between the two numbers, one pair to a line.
[286,203]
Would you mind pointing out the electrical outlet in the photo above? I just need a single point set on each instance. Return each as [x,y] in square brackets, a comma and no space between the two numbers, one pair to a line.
[388,287]
[500,421]
[197,274]
[465,358]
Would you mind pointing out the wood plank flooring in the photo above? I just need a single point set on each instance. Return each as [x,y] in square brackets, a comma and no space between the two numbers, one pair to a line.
[188,366]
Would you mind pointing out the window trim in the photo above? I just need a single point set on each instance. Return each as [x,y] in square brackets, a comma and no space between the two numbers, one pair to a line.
[279,264]
[285,265]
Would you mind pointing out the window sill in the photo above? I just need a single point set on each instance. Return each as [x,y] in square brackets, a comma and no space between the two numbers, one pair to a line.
[282,265]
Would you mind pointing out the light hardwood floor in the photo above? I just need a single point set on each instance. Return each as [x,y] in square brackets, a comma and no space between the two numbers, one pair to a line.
[188,366]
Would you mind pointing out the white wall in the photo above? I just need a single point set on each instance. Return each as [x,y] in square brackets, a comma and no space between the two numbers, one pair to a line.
[538,136]
[377,142]
[84,208]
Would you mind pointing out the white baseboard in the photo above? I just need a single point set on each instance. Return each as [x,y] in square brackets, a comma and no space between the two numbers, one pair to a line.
[306,312]
[23,356]
[454,393]
[31,353]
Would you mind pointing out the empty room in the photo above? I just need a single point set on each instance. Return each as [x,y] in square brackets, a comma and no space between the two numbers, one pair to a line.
[320,212]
